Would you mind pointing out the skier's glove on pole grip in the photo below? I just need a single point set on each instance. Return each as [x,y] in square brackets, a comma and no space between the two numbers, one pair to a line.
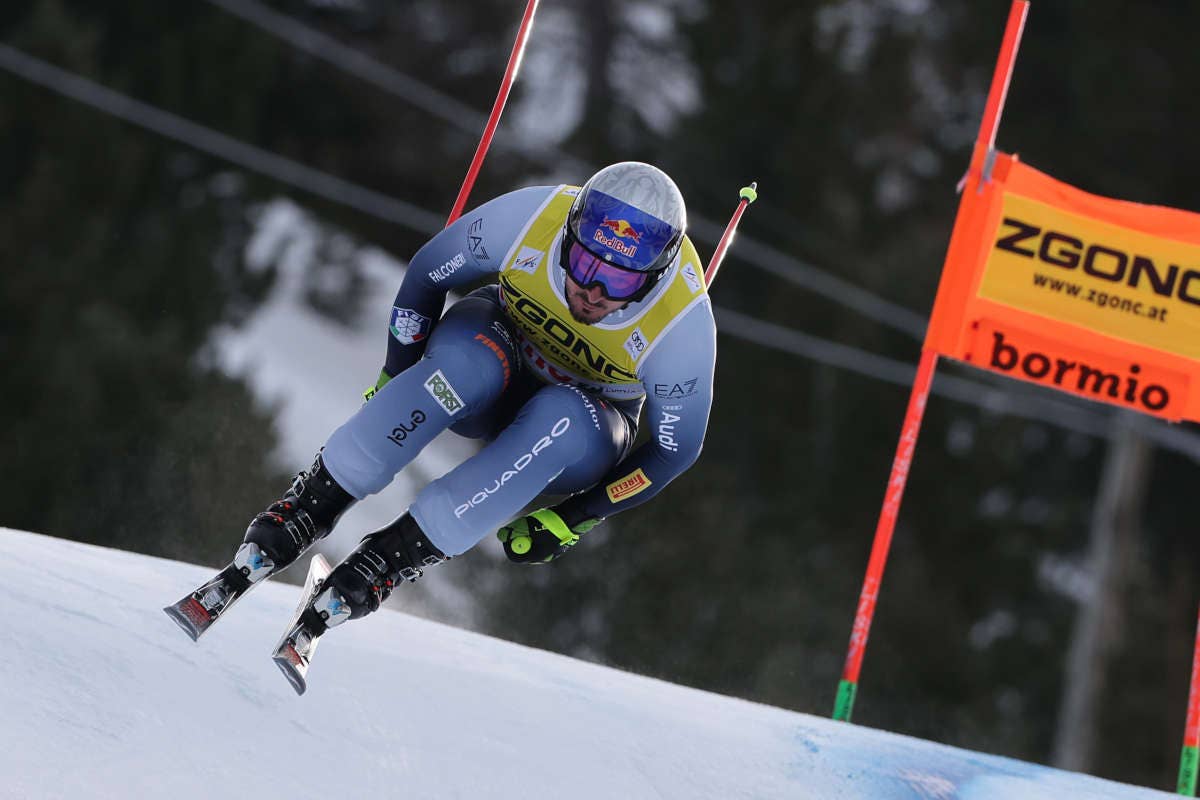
[370,391]
[541,537]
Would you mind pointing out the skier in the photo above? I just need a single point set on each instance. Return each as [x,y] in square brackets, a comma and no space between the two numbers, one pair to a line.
[600,313]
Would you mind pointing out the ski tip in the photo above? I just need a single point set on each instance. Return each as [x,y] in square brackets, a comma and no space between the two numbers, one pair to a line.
[183,622]
[289,671]
[319,566]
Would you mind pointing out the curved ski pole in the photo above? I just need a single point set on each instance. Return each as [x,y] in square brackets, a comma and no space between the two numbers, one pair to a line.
[748,195]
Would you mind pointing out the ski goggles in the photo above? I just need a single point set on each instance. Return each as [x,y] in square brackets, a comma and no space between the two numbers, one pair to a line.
[588,270]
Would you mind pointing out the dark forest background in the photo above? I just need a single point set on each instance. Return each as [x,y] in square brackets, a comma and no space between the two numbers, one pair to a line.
[123,251]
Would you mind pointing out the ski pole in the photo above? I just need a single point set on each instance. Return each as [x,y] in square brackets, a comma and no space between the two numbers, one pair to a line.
[748,195]
[510,75]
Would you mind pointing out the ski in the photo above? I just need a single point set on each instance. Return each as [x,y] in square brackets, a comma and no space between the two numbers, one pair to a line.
[197,611]
[295,650]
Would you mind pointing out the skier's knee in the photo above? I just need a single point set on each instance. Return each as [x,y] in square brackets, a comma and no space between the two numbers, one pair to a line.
[478,369]
[554,403]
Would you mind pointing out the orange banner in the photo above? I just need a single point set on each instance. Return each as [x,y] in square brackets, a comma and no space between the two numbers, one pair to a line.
[1098,297]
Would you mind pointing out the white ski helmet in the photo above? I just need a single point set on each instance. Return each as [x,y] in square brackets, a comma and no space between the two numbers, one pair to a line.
[629,216]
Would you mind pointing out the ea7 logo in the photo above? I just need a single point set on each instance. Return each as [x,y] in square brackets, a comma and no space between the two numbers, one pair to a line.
[475,240]
[674,391]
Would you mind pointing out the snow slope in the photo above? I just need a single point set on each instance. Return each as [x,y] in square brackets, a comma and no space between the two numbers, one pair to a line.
[103,697]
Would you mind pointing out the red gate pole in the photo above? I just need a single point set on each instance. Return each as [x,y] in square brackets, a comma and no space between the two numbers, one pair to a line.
[868,597]
[848,686]
[1191,731]
[510,75]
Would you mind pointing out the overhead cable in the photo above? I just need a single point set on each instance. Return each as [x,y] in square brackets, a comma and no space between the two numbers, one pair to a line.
[768,334]
[447,108]
[1037,404]
[218,144]
[1060,412]
[432,101]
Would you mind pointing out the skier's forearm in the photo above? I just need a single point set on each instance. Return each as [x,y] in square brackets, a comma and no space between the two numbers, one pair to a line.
[437,268]
[678,377]
[469,251]
[634,481]
[410,322]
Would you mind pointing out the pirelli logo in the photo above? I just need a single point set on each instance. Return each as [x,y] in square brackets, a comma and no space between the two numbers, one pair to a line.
[627,487]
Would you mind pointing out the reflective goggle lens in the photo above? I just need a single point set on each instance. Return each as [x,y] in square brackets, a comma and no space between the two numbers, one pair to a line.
[589,270]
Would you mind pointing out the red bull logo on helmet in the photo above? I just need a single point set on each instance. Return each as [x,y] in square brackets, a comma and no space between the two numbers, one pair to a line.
[620,229]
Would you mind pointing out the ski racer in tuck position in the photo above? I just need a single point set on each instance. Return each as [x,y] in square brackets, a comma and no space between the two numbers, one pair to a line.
[600,313]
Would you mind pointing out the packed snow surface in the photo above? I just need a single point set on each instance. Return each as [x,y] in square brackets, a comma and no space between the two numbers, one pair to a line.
[103,696]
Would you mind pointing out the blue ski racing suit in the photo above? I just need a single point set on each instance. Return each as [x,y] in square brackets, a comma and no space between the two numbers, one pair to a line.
[557,401]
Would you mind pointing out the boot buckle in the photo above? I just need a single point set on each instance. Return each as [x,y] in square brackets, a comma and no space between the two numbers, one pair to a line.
[410,574]
[302,528]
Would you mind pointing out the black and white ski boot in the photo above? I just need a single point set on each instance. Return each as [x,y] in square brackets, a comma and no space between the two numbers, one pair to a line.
[273,541]
[366,577]
[306,512]
[355,588]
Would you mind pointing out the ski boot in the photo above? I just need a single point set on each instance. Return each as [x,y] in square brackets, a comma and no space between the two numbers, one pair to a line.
[355,588]
[366,577]
[306,512]
[274,540]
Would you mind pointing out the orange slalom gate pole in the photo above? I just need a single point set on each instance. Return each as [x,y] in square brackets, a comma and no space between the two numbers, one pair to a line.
[848,686]
[1191,731]
[510,75]
[1005,62]
[869,596]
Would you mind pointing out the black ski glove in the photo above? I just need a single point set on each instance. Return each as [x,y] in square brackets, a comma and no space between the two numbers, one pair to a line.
[541,537]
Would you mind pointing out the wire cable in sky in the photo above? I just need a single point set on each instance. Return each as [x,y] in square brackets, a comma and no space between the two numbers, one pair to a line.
[1062,413]
[218,144]
[1040,405]
[1025,404]
[447,108]
[319,45]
